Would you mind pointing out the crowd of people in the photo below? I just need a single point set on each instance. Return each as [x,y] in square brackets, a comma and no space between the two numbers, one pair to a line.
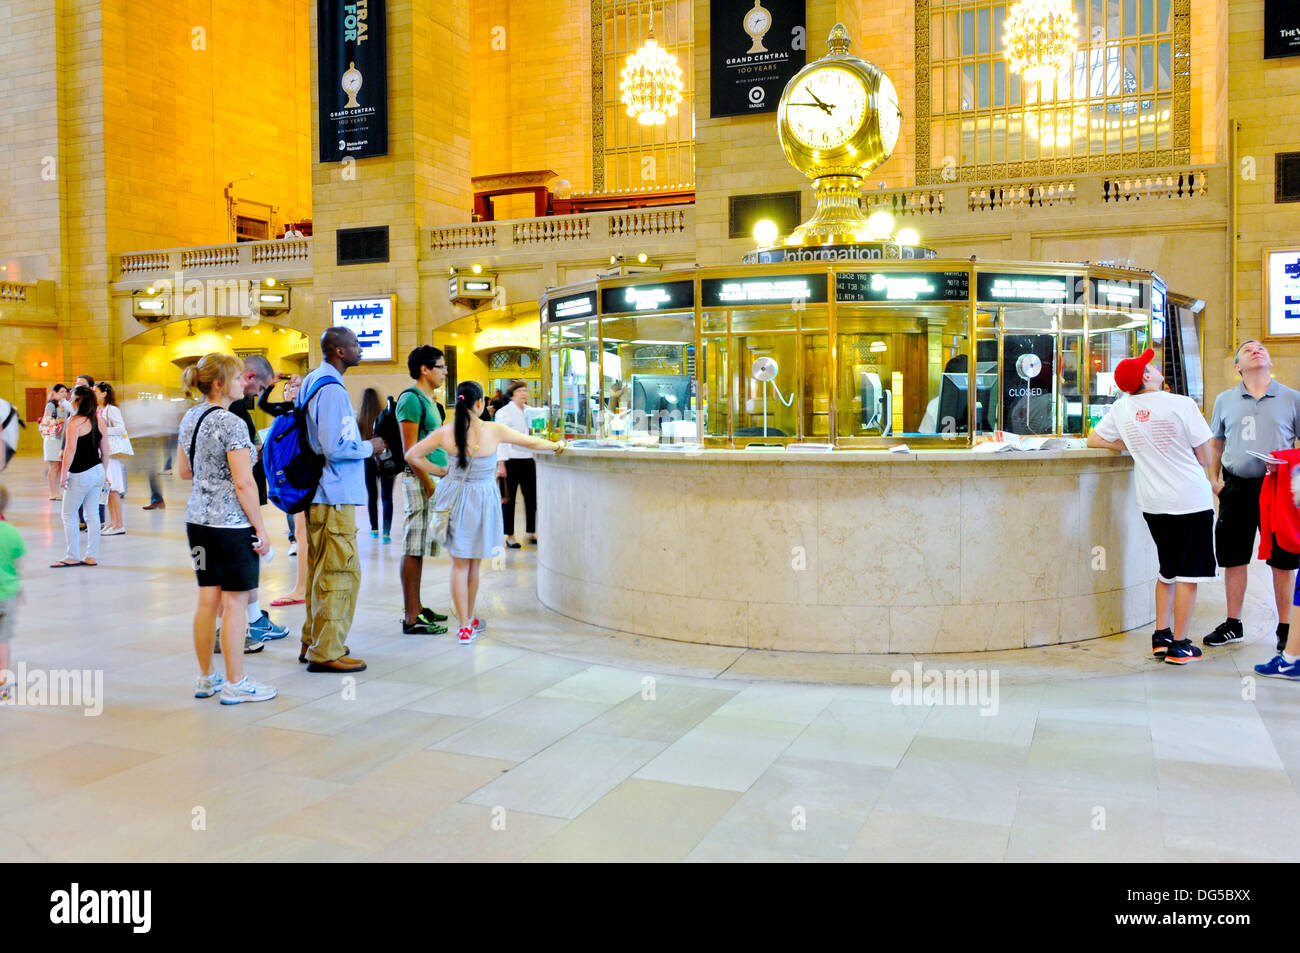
[1244,458]
[461,473]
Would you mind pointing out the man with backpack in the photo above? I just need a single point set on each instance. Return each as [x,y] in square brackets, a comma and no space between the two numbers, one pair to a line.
[417,415]
[333,569]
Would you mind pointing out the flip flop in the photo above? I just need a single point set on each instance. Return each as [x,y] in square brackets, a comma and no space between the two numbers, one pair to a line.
[287,602]
[63,564]
[85,562]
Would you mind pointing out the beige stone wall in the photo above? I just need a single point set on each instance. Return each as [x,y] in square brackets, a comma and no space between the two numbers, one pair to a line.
[217,95]
[1264,100]
[530,103]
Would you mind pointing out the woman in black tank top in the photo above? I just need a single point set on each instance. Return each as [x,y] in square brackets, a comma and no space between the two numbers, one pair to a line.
[85,474]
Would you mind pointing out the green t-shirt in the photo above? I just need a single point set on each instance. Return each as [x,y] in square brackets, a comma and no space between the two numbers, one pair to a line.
[414,406]
[12,548]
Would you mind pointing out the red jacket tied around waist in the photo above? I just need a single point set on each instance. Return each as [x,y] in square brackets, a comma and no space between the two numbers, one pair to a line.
[1278,515]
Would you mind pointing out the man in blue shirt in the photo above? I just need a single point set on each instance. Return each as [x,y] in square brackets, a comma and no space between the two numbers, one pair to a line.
[333,569]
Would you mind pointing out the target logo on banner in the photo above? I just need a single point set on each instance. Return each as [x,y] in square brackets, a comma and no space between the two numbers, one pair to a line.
[757,94]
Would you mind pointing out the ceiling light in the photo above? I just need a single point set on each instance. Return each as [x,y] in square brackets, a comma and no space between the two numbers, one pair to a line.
[1039,37]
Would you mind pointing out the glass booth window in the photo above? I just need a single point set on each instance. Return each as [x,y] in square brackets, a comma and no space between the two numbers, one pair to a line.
[902,372]
[648,371]
[1042,352]
[1112,337]
[575,388]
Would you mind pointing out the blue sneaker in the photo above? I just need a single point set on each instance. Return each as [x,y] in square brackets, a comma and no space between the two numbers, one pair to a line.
[1160,642]
[1180,653]
[374,534]
[264,630]
[1278,667]
[387,539]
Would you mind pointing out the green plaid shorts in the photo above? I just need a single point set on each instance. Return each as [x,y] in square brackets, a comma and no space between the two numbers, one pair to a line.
[417,529]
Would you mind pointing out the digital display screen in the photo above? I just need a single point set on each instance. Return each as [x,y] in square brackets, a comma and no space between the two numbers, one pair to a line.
[371,320]
[1283,292]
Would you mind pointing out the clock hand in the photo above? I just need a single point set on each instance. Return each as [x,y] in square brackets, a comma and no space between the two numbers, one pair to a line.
[822,106]
[826,106]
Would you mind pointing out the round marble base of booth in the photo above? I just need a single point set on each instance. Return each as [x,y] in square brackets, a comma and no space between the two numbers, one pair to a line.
[852,551]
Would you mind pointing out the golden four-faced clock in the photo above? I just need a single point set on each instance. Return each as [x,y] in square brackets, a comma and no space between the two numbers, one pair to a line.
[838,119]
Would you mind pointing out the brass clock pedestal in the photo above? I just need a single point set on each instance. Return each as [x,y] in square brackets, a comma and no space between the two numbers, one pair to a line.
[838,218]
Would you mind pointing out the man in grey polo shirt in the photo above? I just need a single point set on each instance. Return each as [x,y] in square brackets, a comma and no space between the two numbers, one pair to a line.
[1262,415]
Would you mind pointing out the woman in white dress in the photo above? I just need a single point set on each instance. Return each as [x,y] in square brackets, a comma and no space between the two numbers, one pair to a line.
[52,423]
[119,446]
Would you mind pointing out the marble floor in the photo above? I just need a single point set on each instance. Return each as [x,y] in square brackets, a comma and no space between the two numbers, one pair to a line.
[553,740]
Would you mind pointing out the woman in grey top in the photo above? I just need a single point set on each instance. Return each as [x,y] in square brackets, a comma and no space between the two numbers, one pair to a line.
[469,490]
[224,524]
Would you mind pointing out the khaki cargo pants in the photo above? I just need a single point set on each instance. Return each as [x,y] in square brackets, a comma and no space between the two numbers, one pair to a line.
[333,578]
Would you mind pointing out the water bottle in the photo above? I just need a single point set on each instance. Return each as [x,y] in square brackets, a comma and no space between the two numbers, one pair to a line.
[270,553]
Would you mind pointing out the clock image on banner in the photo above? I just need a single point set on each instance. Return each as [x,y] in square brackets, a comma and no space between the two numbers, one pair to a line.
[755,46]
[353,74]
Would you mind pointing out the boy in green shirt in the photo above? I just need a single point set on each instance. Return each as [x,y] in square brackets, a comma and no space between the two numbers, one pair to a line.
[12,548]
[418,416]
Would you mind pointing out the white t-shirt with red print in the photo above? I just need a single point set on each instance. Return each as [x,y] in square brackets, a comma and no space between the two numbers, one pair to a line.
[1160,430]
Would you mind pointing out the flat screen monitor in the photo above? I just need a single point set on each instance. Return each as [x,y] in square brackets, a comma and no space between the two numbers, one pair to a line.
[952,399]
[660,396]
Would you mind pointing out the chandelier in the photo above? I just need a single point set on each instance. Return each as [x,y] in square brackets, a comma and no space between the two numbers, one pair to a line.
[1039,38]
[651,82]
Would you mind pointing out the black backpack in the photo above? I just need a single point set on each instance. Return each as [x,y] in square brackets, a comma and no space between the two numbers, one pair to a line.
[389,429]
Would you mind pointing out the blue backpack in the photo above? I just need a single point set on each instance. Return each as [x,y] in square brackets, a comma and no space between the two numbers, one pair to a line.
[293,468]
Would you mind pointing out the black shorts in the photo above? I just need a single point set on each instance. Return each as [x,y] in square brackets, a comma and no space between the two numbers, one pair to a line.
[1238,523]
[1185,545]
[223,557]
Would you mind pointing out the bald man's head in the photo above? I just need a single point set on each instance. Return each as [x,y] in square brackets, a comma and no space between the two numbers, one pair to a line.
[340,347]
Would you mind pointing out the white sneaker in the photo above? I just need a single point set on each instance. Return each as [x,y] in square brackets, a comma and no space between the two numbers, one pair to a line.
[467,636]
[246,690]
[205,686]
[293,548]
[478,625]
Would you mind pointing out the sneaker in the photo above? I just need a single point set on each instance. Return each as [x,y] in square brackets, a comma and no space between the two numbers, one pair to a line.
[246,690]
[293,547]
[251,645]
[478,625]
[1160,642]
[387,539]
[1180,653]
[1225,633]
[428,615]
[374,534]
[467,636]
[205,686]
[421,627]
[1278,667]
[264,630]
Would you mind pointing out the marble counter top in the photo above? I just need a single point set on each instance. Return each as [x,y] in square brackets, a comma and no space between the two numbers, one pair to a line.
[924,456]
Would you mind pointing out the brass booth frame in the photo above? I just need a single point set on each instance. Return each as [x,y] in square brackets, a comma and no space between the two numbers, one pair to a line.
[797,318]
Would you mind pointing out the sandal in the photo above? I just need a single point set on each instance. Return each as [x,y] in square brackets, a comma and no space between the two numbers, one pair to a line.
[90,562]
[286,601]
[64,564]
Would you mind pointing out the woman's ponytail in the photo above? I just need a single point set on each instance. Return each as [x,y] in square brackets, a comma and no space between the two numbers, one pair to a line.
[467,395]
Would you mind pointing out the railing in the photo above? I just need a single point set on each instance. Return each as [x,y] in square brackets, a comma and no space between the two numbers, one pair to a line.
[16,292]
[290,257]
[905,202]
[1031,195]
[1191,183]
[595,228]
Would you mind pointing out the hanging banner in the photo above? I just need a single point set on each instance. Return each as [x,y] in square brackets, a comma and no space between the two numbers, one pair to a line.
[353,75]
[755,46]
[1281,28]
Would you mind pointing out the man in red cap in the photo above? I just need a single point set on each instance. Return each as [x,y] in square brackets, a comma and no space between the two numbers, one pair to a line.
[1170,444]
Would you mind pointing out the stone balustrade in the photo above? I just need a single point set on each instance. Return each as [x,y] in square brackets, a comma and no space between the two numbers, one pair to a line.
[16,292]
[587,232]
[279,258]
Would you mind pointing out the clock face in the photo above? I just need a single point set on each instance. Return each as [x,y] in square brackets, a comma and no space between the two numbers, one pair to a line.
[826,108]
[757,20]
[351,81]
[889,114]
